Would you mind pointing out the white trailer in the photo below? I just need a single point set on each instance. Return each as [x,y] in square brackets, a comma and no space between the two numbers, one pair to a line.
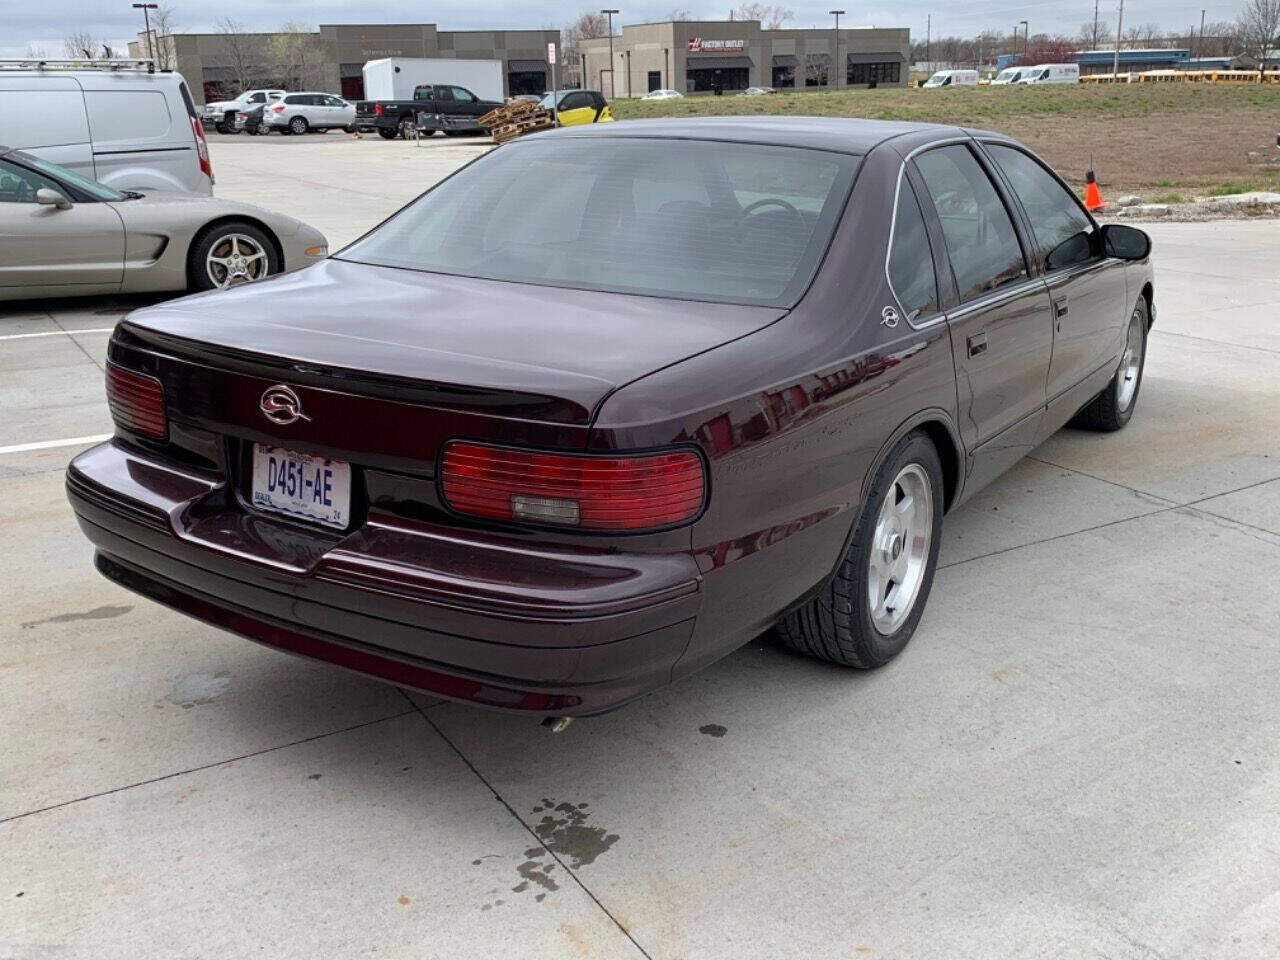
[394,78]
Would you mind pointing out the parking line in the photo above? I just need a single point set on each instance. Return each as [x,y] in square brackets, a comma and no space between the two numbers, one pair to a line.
[50,444]
[54,333]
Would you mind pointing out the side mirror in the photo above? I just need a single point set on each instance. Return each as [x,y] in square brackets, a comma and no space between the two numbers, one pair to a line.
[1124,242]
[52,198]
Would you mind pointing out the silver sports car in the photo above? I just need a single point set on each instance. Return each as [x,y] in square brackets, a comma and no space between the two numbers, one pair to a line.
[62,234]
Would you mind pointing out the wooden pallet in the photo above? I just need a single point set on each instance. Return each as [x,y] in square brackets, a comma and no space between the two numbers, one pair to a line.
[514,119]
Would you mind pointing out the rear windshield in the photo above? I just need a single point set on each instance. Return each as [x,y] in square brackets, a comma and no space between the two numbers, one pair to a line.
[692,219]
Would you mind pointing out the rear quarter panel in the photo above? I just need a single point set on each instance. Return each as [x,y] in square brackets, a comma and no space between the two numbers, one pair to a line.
[793,420]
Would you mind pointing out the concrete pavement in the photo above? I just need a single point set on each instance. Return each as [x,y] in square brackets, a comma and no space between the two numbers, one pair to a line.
[1075,758]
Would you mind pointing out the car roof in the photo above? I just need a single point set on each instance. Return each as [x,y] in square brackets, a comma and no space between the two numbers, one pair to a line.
[846,135]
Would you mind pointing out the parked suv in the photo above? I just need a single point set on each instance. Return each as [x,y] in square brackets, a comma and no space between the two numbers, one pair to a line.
[222,113]
[301,112]
[111,121]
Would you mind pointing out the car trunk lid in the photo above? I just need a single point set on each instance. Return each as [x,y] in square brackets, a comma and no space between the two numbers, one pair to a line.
[390,363]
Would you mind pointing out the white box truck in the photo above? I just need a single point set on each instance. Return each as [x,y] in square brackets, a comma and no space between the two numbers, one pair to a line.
[395,78]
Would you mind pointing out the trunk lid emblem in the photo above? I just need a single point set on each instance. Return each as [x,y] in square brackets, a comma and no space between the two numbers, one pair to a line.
[281,405]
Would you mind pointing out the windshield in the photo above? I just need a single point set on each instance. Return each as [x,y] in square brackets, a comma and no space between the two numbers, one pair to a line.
[936,80]
[92,187]
[551,99]
[1008,76]
[702,220]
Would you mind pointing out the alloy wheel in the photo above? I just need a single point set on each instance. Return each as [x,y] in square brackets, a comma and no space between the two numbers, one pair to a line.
[900,549]
[236,259]
[1130,362]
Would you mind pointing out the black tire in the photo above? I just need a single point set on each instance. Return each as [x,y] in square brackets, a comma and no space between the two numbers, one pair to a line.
[197,275]
[388,133]
[227,125]
[349,128]
[836,624]
[1110,410]
[299,126]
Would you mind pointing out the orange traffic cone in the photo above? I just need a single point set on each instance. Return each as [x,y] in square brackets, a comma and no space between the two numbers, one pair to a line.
[1092,198]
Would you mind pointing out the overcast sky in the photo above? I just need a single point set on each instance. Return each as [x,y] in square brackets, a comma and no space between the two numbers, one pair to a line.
[45,24]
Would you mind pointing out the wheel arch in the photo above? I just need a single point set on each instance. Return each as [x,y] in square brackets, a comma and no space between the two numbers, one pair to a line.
[1149,295]
[234,218]
[938,426]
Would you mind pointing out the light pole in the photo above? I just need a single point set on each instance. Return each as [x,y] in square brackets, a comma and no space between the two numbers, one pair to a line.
[1026,36]
[1115,59]
[836,65]
[146,22]
[613,86]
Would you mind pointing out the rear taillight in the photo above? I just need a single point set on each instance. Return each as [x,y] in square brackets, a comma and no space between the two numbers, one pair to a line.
[278,108]
[377,109]
[640,492]
[136,401]
[202,149]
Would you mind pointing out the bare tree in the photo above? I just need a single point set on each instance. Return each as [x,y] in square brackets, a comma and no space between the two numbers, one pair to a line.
[297,56]
[679,15]
[35,52]
[771,18]
[80,46]
[238,50]
[162,27]
[1259,26]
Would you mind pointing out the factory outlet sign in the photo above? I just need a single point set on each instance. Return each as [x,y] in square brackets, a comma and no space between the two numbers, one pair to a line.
[698,45]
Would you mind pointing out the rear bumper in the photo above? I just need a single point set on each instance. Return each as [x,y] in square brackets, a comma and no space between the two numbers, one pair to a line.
[502,623]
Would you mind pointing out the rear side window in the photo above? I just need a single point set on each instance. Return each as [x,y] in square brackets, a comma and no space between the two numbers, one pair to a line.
[187,101]
[733,222]
[128,116]
[981,242]
[1064,233]
[911,271]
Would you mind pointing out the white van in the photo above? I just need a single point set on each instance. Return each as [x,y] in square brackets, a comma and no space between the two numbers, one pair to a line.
[953,78]
[112,121]
[1051,73]
[1008,75]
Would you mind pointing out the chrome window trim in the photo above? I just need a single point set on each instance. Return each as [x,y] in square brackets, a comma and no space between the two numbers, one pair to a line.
[941,315]
[994,298]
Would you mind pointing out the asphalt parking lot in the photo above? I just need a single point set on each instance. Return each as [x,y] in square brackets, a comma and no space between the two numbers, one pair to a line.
[1076,757]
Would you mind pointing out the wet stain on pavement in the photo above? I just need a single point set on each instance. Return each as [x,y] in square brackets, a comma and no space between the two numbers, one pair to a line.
[565,831]
[97,613]
[193,689]
[713,730]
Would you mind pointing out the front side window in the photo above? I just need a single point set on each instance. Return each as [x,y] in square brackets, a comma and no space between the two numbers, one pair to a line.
[258,98]
[911,271]
[55,174]
[1063,231]
[742,223]
[18,185]
[981,242]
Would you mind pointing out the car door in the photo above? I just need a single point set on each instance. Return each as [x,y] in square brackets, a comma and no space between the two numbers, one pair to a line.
[1088,290]
[576,108]
[81,247]
[1000,325]
[466,103]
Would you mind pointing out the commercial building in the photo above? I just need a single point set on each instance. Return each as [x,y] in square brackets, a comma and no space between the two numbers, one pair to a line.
[216,65]
[714,56]
[1133,61]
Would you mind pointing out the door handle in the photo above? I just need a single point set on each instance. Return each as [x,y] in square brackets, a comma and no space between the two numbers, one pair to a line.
[977,344]
[1060,308]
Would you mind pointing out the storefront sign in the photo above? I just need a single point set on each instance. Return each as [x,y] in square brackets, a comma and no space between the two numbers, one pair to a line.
[698,45]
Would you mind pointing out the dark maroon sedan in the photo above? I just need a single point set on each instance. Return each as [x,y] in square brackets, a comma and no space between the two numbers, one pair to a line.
[613,400]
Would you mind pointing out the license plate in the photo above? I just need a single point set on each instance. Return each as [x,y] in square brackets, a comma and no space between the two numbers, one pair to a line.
[301,485]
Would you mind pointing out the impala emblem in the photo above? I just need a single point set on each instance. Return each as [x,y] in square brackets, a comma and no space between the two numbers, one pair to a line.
[281,405]
[889,317]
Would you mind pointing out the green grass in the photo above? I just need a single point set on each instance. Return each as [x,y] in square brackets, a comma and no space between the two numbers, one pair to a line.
[974,105]
[1171,198]
[1238,186]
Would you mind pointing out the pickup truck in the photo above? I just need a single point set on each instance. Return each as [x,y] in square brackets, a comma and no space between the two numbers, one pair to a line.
[434,106]
[222,114]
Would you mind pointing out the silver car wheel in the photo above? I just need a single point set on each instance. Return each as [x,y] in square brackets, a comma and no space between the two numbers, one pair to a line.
[900,549]
[298,125]
[236,259]
[1130,362]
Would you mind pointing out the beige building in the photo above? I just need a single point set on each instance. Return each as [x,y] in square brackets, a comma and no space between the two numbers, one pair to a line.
[217,66]
[710,56]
